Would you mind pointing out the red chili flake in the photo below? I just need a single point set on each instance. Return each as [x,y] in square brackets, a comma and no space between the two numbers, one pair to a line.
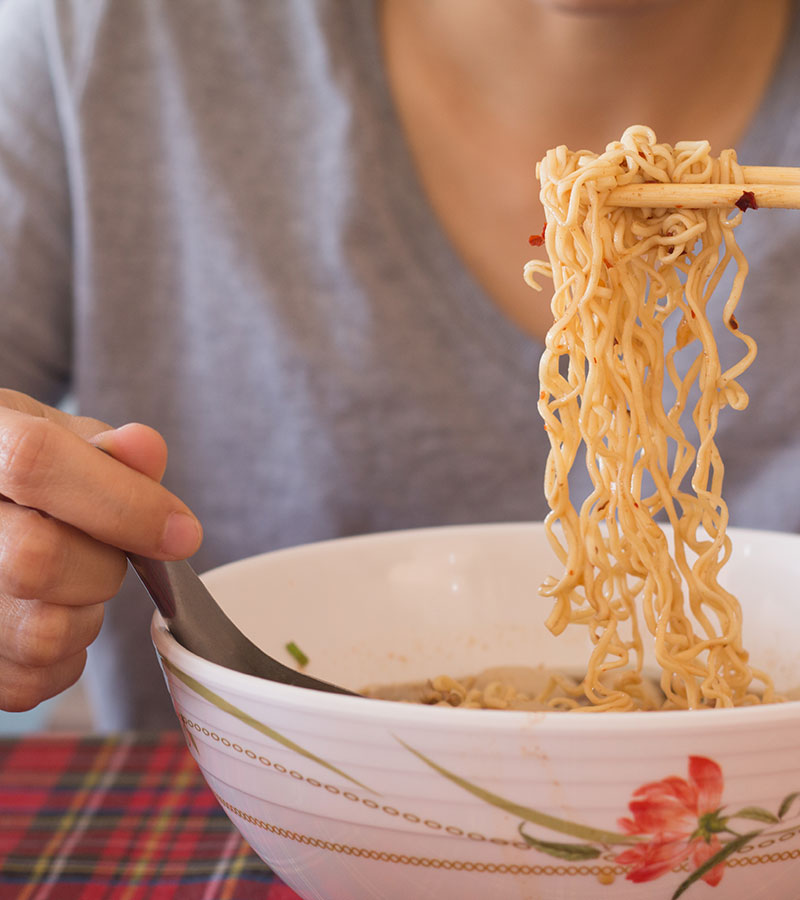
[694,314]
[608,264]
[747,201]
[543,395]
[536,240]
[734,323]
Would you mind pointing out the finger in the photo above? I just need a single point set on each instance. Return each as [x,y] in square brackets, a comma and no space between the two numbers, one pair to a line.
[81,425]
[47,467]
[23,687]
[39,635]
[44,558]
[138,446]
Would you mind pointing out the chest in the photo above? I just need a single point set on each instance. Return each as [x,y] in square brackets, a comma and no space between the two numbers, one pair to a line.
[484,194]
[478,175]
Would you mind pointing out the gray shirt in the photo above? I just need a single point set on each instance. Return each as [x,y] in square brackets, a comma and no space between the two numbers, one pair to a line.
[210,222]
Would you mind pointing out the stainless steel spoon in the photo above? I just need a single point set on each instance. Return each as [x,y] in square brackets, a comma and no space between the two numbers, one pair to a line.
[197,622]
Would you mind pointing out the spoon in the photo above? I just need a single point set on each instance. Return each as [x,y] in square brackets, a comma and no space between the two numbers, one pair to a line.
[198,623]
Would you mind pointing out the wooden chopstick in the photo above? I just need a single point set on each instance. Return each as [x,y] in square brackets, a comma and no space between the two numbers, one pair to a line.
[772,187]
[771,175]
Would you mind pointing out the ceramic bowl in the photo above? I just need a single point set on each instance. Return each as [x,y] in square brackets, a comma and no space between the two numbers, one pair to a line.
[355,799]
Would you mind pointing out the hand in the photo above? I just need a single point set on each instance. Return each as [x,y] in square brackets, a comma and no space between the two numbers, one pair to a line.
[65,510]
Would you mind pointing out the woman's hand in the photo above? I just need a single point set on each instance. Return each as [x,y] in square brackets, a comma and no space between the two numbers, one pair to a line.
[64,512]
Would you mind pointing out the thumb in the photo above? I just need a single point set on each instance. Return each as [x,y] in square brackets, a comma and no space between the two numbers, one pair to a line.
[137,446]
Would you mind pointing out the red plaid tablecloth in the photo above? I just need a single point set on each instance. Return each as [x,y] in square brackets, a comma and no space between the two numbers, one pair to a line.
[118,818]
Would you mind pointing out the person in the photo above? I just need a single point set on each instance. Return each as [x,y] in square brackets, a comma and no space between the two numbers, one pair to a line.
[285,241]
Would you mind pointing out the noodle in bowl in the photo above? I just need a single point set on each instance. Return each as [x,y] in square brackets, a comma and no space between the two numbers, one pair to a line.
[349,798]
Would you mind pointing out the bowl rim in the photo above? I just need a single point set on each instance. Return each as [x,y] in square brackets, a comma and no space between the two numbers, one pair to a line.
[383,711]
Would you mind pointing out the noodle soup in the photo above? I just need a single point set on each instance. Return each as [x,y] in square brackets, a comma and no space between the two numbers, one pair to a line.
[348,796]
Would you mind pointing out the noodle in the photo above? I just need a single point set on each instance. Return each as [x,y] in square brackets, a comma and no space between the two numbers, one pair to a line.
[623,279]
[619,276]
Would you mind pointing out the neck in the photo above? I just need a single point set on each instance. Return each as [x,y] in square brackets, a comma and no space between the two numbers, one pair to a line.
[583,76]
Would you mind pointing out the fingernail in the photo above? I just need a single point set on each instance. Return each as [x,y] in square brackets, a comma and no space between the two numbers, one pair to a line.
[182,535]
[102,440]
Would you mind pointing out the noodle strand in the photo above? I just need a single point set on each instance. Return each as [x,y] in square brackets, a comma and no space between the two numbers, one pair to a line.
[619,276]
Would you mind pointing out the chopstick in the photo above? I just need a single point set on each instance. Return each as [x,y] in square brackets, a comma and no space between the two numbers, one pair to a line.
[774,187]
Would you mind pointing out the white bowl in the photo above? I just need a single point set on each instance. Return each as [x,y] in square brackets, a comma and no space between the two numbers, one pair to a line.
[355,799]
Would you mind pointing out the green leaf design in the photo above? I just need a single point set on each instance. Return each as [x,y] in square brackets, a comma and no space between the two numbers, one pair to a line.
[573,829]
[757,813]
[571,852]
[242,716]
[730,848]
[787,802]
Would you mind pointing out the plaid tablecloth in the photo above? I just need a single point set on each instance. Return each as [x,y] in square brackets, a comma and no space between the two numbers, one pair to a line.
[118,818]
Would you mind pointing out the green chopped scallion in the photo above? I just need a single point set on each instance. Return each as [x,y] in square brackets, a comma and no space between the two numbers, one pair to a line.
[297,653]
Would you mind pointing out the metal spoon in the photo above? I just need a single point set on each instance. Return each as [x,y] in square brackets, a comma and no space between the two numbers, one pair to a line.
[198,623]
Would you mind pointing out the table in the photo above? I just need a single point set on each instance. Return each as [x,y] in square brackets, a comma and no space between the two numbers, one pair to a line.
[123,817]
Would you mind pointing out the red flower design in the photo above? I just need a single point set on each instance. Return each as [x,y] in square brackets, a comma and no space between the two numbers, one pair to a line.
[683,819]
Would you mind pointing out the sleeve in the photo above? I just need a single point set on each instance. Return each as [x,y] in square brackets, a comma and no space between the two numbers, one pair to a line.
[35,233]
